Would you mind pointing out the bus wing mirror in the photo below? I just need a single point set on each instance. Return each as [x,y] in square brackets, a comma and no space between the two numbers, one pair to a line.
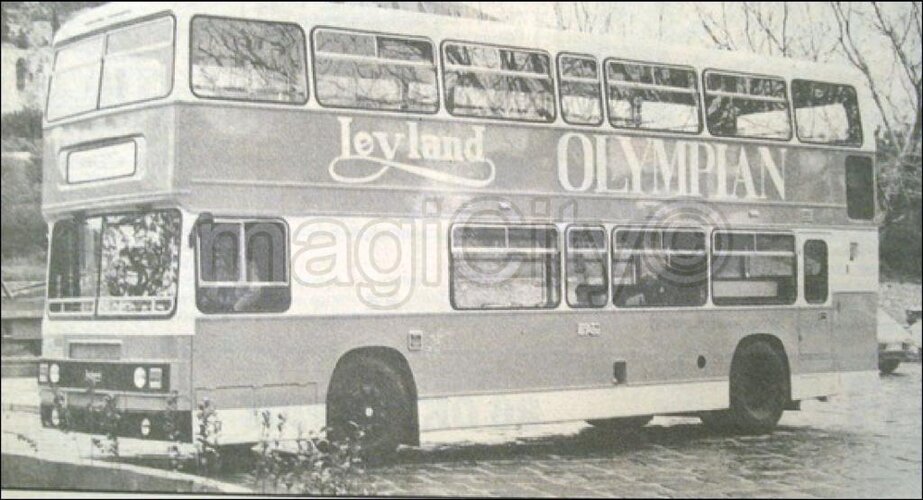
[203,218]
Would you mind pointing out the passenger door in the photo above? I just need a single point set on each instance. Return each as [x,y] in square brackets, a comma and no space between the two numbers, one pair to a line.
[815,314]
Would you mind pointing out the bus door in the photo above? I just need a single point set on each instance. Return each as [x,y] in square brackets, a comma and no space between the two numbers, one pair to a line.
[815,347]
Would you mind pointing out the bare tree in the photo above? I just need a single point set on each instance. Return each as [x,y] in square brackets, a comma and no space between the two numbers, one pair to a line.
[780,29]
[899,105]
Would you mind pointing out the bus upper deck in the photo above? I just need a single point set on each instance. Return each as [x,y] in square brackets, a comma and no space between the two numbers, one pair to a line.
[151,103]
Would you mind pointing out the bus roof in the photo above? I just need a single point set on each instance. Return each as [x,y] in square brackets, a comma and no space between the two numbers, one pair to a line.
[440,27]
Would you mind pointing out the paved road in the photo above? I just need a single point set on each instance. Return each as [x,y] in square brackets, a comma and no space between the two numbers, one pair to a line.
[863,446]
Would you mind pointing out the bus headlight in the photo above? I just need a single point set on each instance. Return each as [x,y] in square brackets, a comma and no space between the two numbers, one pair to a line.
[54,373]
[55,417]
[140,377]
[145,427]
[43,373]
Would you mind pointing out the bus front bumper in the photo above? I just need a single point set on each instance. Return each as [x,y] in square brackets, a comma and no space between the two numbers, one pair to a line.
[153,425]
[105,397]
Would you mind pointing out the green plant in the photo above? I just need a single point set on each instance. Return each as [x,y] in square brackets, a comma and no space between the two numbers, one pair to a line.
[208,455]
[314,466]
[171,427]
[106,417]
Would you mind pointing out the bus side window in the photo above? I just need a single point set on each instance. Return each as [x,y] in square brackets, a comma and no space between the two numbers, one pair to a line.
[815,271]
[587,267]
[826,113]
[243,267]
[860,188]
[581,103]
[753,269]
[504,267]
[746,106]
[654,268]
[368,71]
[645,96]
[498,82]
[248,60]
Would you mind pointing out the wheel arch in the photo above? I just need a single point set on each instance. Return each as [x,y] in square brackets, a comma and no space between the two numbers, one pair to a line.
[777,345]
[396,360]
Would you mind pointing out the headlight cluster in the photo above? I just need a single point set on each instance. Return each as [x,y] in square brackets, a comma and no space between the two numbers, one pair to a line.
[49,372]
[152,378]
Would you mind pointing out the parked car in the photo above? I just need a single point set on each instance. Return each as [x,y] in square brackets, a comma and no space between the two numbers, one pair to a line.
[916,335]
[894,343]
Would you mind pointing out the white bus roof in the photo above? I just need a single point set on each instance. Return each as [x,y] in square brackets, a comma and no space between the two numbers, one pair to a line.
[440,27]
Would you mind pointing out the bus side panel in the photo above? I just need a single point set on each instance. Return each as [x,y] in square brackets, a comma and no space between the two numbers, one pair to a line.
[854,331]
[285,363]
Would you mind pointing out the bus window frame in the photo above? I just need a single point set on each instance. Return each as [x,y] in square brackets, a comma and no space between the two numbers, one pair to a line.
[242,221]
[812,239]
[755,232]
[608,263]
[874,170]
[744,74]
[307,70]
[89,146]
[95,316]
[551,75]
[707,303]
[699,93]
[603,114]
[437,73]
[104,32]
[822,143]
[558,253]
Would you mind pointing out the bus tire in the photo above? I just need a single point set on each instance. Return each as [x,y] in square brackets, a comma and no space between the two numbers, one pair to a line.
[621,425]
[887,366]
[758,389]
[368,395]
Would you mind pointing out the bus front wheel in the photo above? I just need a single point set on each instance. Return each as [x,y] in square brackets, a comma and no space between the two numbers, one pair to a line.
[758,392]
[369,402]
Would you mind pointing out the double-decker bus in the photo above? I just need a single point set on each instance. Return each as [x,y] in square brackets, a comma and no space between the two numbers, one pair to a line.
[410,223]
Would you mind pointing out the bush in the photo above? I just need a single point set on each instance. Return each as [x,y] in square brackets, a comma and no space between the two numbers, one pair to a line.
[20,213]
[316,465]
[24,124]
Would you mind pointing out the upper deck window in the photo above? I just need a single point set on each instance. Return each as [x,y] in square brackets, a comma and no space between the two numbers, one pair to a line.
[495,82]
[581,103]
[652,97]
[826,113]
[746,106]
[367,71]
[248,60]
[122,66]
[138,63]
[860,188]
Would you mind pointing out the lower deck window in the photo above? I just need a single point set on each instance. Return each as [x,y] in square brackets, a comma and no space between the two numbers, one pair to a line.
[243,267]
[587,267]
[504,267]
[653,268]
[753,269]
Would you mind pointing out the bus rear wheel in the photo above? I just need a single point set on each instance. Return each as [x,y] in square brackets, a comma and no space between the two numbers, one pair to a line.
[369,403]
[758,392]
[621,425]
